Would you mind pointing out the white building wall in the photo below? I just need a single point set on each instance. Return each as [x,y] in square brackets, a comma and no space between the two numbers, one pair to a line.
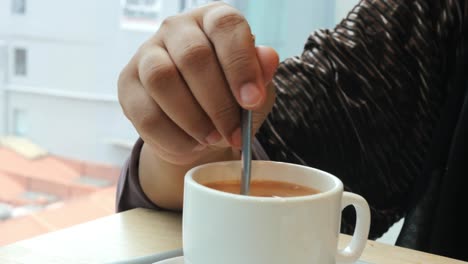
[3,74]
[73,127]
[67,102]
[56,65]
[74,21]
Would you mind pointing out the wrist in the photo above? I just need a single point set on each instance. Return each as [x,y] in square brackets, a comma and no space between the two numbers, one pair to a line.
[163,181]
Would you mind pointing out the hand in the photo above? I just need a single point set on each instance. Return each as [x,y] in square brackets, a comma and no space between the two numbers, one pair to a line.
[184,87]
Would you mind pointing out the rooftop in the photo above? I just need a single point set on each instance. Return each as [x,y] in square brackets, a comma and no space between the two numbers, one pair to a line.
[41,192]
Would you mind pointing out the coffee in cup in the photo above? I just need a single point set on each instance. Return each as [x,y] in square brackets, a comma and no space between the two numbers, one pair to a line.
[264,188]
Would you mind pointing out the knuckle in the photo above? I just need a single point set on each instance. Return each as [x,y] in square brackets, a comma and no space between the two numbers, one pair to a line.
[123,81]
[154,74]
[229,20]
[169,21]
[129,112]
[224,19]
[122,77]
[125,111]
[146,121]
[226,114]
[198,127]
[123,106]
[238,61]
[195,55]
[122,101]
[121,85]
[123,90]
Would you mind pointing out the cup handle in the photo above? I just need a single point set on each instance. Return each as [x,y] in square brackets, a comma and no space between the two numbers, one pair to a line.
[353,250]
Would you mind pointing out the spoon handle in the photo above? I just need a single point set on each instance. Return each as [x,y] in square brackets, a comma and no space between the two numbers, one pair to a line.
[246,129]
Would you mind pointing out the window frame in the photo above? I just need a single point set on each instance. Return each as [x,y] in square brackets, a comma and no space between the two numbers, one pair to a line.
[20,61]
[18,7]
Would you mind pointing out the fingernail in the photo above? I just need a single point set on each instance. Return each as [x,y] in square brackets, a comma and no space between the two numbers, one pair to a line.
[249,94]
[213,138]
[199,147]
[236,140]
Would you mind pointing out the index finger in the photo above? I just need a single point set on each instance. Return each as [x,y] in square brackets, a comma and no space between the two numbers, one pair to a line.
[234,45]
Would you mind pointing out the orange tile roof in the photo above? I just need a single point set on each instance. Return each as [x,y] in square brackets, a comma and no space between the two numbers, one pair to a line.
[43,168]
[9,188]
[99,170]
[19,229]
[58,216]
[57,176]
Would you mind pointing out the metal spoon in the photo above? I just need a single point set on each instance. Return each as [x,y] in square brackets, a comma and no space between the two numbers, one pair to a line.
[246,129]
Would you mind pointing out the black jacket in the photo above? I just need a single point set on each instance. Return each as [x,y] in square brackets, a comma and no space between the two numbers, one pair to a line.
[381,102]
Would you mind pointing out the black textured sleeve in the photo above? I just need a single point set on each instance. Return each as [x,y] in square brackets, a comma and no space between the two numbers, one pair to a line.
[362,100]
[129,194]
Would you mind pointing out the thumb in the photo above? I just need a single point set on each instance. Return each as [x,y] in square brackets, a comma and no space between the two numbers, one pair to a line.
[269,61]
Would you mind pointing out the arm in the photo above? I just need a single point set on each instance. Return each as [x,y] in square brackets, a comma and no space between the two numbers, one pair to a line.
[362,100]
[130,193]
[152,183]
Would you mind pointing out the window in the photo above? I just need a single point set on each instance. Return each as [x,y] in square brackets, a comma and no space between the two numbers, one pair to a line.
[18,7]
[20,62]
[20,122]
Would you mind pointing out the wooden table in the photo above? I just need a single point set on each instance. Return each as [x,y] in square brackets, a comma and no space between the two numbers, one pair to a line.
[142,232]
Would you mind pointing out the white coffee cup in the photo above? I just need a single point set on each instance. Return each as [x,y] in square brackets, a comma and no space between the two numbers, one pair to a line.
[225,228]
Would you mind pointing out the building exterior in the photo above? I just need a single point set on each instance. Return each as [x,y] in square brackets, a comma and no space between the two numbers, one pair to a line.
[62,63]
[60,60]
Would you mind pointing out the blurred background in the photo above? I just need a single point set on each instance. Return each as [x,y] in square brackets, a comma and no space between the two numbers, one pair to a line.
[63,137]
